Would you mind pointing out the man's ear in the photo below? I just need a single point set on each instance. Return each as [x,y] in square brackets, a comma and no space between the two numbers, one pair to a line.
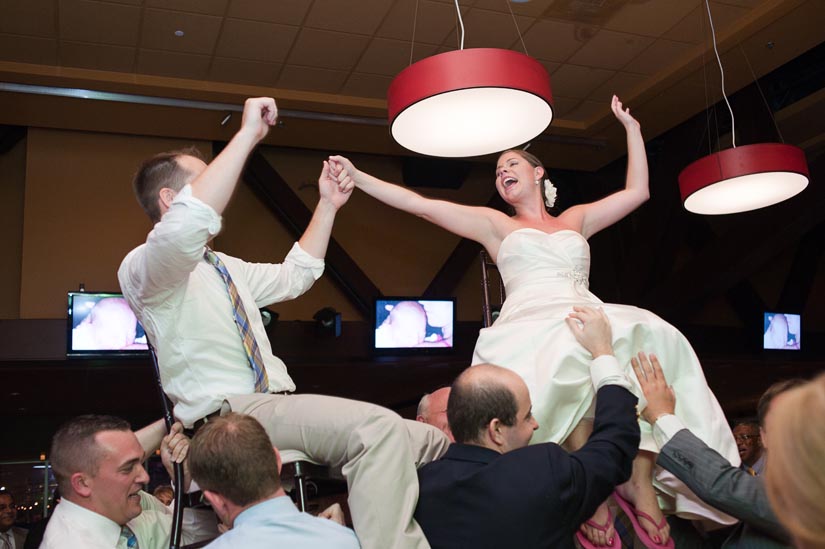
[278,459]
[81,484]
[494,432]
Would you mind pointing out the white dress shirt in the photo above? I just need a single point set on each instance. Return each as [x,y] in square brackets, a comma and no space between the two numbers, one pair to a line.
[183,305]
[73,526]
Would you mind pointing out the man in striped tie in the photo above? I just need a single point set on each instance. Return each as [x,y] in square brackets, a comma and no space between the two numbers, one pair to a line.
[200,310]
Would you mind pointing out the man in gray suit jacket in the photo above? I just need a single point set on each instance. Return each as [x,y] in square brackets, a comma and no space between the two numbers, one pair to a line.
[11,537]
[711,477]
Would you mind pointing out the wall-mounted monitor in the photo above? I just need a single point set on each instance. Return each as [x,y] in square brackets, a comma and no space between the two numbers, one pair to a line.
[411,325]
[782,331]
[102,324]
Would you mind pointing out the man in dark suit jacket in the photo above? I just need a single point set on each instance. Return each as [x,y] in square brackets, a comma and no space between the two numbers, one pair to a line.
[711,477]
[492,490]
[11,537]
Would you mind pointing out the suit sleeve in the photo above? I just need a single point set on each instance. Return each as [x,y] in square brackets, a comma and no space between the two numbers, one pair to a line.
[718,483]
[606,460]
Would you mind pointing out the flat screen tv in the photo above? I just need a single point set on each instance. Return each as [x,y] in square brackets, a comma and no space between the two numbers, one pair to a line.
[411,325]
[782,331]
[102,324]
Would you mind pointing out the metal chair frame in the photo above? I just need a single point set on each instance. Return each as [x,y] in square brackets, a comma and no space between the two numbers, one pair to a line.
[488,265]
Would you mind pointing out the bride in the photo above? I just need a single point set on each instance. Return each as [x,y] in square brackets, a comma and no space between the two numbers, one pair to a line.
[544,261]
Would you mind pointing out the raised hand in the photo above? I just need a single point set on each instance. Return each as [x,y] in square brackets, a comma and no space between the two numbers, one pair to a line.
[259,113]
[661,399]
[623,115]
[344,171]
[591,328]
[330,189]
[173,449]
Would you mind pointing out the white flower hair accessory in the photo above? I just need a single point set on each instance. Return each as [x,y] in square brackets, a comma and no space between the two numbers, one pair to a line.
[549,193]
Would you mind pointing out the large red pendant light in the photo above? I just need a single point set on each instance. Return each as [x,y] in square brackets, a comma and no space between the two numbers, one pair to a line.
[742,178]
[470,102]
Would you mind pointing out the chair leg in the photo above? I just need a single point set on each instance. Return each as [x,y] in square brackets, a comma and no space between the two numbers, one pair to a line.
[300,484]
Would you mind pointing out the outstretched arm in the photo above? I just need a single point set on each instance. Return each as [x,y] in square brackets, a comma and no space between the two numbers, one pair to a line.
[315,239]
[476,223]
[217,182]
[598,215]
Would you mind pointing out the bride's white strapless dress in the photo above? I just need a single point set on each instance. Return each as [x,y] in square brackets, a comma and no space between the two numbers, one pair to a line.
[545,275]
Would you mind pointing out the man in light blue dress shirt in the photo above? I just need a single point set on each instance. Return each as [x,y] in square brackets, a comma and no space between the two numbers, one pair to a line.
[236,466]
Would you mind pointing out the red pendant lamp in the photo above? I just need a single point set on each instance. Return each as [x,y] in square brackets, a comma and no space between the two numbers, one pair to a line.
[744,178]
[469,102]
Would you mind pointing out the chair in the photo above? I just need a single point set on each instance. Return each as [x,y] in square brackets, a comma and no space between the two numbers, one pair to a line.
[489,274]
[296,471]
[177,515]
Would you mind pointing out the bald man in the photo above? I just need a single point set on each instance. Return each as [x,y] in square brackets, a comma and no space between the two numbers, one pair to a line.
[493,490]
[432,409]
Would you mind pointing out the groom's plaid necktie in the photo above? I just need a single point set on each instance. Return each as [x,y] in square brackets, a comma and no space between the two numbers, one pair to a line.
[242,321]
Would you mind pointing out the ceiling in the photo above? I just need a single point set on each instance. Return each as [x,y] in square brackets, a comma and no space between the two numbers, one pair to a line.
[338,57]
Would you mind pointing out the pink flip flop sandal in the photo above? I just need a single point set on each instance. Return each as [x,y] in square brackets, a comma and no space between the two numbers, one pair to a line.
[616,544]
[634,515]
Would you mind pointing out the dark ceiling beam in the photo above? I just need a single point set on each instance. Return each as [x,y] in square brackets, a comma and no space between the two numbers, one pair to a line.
[802,274]
[10,136]
[278,196]
[750,241]
[456,265]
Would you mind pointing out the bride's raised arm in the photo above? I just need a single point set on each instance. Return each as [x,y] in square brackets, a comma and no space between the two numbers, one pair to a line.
[598,215]
[484,225]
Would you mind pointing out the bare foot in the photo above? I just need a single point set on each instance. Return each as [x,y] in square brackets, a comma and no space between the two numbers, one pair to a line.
[596,536]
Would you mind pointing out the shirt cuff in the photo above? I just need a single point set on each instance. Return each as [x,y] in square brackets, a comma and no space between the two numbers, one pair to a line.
[605,370]
[665,428]
[302,258]
[211,217]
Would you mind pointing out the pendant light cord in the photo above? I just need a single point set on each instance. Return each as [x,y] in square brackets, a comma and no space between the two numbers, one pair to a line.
[722,72]
[762,94]
[415,20]
[515,23]
[460,22]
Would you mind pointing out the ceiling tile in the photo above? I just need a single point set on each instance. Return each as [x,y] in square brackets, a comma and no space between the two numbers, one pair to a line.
[389,57]
[432,23]
[97,56]
[35,17]
[492,29]
[623,84]
[533,8]
[255,41]
[354,17]
[610,50]
[587,110]
[208,7]
[563,105]
[695,29]
[177,65]
[287,12]
[577,81]
[661,55]
[26,49]
[200,31]
[312,79]
[86,21]
[325,49]
[241,71]
[555,40]
[741,3]
[649,18]
[367,85]
[549,65]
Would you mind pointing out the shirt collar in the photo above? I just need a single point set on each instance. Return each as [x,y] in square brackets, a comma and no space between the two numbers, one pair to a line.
[277,506]
[105,527]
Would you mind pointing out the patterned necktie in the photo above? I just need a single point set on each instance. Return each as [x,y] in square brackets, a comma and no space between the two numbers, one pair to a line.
[256,361]
[5,542]
[128,539]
